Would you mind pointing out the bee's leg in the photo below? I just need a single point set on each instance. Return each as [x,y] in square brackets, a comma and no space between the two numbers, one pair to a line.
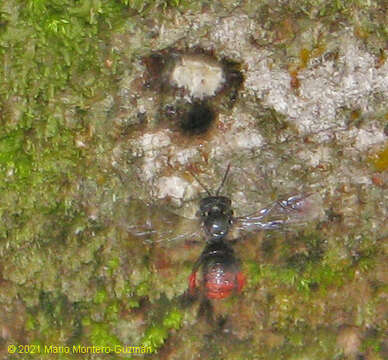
[191,294]
[192,242]
[187,299]
[193,283]
[206,310]
[221,322]
[241,279]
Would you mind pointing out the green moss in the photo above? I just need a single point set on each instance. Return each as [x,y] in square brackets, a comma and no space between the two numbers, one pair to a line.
[100,335]
[13,157]
[253,272]
[131,300]
[86,321]
[112,311]
[314,275]
[113,264]
[30,323]
[257,273]
[100,297]
[53,307]
[324,276]
[303,344]
[156,334]
[155,337]
[143,288]
[54,317]
[173,319]
[133,303]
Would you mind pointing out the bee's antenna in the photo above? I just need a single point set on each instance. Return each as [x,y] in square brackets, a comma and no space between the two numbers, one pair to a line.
[199,182]
[223,180]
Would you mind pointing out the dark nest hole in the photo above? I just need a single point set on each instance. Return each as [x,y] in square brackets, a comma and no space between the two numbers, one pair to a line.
[198,119]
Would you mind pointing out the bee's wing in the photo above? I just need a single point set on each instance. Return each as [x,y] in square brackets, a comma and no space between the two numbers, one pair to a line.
[155,224]
[297,209]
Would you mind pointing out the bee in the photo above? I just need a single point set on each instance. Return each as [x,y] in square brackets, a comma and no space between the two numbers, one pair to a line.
[216,223]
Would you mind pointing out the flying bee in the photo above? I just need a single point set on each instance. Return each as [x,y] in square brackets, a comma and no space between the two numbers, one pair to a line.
[216,223]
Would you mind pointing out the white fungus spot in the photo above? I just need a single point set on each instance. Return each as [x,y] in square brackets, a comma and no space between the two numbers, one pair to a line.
[153,148]
[182,156]
[314,157]
[150,142]
[367,138]
[201,76]
[247,139]
[172,186]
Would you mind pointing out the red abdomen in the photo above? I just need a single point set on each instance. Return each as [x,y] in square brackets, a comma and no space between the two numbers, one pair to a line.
[221,275]
[219,283]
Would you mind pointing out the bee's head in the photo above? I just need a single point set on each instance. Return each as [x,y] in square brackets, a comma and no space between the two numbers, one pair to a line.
[216,214]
